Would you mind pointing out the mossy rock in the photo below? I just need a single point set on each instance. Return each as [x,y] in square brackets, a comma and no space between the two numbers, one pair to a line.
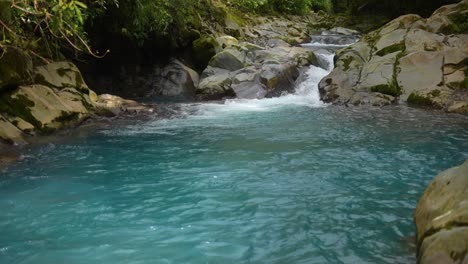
[399,47]
[424,101]
[16,68]
[204,48]
[60,75]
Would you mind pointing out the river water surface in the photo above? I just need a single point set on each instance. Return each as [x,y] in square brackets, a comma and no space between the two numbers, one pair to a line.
[283,180]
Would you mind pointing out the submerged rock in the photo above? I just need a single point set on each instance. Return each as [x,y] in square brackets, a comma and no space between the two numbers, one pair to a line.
[410,59]
[441,218]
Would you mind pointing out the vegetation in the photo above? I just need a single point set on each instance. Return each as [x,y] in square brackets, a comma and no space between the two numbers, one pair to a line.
[46,29]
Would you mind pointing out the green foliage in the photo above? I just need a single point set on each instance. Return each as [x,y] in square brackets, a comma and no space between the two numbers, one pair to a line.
[43,27]
[296,7]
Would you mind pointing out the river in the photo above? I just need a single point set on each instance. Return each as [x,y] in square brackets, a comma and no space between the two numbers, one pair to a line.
[279,180]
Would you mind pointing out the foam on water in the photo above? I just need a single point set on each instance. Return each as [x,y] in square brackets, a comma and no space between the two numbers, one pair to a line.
[306,94]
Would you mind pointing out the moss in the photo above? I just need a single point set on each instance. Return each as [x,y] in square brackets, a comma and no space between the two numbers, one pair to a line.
[204,48]
[19,106]
[459,23]
[67,117]
[347,62]
[422,101]
[463,85]
[61,72]
[391,49]
[389,89]
[435,93]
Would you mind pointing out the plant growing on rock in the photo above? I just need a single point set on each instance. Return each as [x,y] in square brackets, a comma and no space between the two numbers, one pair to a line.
[43,27]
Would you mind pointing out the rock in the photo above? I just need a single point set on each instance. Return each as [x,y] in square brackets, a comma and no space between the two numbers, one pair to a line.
[10,133]
[458,107]
[226,60]
[410,60]
[204,48]
[377,75]
[374,99]
[227,41]
[61,75]
[111,105]
[246,84]
[279,78]
[441,217]
[215,87]
[15,68]
[402,22]
[446,246]
[391,42]
[46,109]
[421,40]
[344,31]
[22,125]
[175,79]
[420,71]
[253,72]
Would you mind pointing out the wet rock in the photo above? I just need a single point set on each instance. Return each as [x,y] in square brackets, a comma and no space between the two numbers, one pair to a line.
[112,105]
[410,59]
[215,87]
[250,71]
[441,218]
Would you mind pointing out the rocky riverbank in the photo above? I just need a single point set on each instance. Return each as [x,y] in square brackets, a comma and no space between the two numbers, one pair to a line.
[441,218]
[39,99]
[421,62]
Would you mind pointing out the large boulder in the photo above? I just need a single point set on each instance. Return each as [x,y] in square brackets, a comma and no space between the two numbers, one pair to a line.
[409,60]
[227,60]
[46,109]
[441,218]
[61,75]
[174,80]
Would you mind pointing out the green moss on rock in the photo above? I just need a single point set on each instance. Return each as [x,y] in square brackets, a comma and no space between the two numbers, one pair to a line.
[391,49]
[19,106]
[204,48]
[389,89]
[347,62]
[422,101]
[459,23]
[67,117]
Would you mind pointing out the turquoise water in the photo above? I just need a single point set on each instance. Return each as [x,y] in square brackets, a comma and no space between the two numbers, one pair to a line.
[268,181]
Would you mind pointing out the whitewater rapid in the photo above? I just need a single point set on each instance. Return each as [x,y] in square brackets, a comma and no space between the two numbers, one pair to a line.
[306,94]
